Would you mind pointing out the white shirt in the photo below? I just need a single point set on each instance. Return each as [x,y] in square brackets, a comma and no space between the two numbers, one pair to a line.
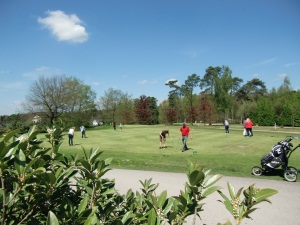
[71,131]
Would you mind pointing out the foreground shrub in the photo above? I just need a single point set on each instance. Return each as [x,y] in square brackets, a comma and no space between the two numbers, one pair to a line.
[39,185]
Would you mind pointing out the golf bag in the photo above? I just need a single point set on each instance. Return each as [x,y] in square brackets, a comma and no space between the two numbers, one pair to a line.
[277,156]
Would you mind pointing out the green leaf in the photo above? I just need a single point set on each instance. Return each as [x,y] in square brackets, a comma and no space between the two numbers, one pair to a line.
[20,162]
[263,194]
[11,134]
[248,212]
[152,217]
[231,190]
[227,223]
[126,217]
[92,219]
[212,180]
[161,199]
[8,150]
[49,177]
[36,172]
[83,204]
[169,206]
[51,219]
[58,172]
[85,164]
[109,191]
[211,190]
[29,165]
[94,155]
[239,192]
[226,202]
[33,135]
[196,177]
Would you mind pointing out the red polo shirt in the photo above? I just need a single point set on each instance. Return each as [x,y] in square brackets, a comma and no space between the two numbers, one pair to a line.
[185,130]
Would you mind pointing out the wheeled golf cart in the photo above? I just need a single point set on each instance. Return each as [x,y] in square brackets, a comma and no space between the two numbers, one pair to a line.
[279,156]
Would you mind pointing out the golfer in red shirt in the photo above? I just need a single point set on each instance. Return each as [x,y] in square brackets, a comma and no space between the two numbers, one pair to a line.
[184,132]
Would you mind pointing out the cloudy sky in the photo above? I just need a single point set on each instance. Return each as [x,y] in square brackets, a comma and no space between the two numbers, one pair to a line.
[137,45]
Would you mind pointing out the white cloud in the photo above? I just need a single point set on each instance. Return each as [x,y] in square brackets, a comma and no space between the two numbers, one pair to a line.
[289,64]
[268,61]
[96,83]
[43,70]
[265,62]
[256,75]
[4,87]
[64,27]
[282,75]
[5,72]
[192,54]
[143,82]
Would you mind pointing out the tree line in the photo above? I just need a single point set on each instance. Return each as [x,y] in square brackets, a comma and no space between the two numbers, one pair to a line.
[207,100]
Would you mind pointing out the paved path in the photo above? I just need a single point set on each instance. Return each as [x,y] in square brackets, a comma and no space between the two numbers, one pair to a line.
[284,210]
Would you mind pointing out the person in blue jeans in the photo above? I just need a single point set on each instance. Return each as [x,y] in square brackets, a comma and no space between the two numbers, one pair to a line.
[184,131]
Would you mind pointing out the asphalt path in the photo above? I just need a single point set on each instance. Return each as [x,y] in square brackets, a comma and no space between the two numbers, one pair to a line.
[284,210]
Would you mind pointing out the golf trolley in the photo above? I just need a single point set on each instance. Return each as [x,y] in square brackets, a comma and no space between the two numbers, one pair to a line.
[278,156]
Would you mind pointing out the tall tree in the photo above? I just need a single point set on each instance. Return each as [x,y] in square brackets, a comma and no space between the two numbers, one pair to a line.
[142,110]
[53,96]
[219,83]
[206,108]
[153,109]
[208,82]
[186,90]
[167,114]
[109,102]
[125,110]
[252,90]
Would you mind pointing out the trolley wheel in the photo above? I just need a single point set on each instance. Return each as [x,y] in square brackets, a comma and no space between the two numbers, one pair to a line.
[257,171]
[290,175]
[293,169]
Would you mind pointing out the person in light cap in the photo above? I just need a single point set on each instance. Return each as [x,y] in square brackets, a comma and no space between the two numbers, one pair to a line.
[184,133]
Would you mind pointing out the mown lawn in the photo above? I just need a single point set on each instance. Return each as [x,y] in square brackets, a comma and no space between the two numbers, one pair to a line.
[137,147]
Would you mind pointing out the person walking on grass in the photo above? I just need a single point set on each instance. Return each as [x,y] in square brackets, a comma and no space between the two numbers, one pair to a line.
[82,130]
[162,138]
[248,126]
[71,135]
[226,123]
[184,133]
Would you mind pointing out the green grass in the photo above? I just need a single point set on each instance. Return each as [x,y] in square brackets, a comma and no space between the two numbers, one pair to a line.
[137,147]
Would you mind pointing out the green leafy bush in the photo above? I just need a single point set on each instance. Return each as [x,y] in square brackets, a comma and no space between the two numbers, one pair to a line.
[39,185]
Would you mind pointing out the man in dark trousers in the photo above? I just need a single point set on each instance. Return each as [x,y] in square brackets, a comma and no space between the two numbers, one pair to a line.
[184,132]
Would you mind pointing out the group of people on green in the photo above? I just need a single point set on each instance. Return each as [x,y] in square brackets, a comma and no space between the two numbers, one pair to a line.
[184,134]
[71,134]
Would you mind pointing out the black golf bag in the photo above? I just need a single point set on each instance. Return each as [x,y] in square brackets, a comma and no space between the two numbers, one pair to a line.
[277,157]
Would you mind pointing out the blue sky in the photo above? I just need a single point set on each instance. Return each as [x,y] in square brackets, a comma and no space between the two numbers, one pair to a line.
[137,45]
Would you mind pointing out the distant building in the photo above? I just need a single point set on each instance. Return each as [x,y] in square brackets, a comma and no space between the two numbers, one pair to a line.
[36,119]
[95,123]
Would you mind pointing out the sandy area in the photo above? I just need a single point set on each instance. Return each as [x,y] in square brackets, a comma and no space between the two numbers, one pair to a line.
[285,207]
